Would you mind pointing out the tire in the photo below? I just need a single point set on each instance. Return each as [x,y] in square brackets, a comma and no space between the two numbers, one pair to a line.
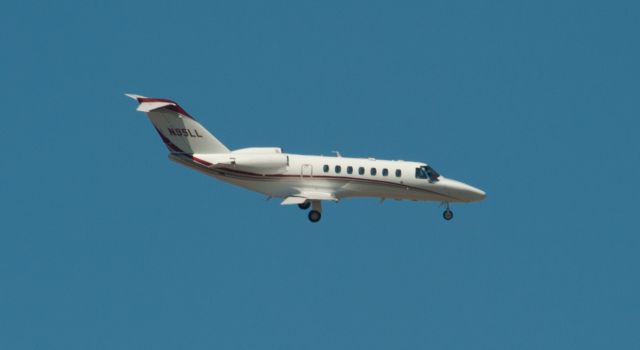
[305,205]
[314,216]
[447,215]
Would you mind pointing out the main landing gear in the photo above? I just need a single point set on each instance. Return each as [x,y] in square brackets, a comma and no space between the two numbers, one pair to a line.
[305,205]
[447,214]
[314,216]
[316,210]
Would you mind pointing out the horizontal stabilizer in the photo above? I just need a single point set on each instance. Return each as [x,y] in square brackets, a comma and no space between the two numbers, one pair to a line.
[134,96]
[151,106]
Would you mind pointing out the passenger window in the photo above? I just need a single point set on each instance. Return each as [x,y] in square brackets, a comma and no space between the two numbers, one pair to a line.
[349,169]
[374,171]
[325,168]
[361,171]
[385,172]
[398,172]
[338,169]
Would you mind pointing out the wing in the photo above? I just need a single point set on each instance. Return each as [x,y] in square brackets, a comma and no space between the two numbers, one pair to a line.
[308,196]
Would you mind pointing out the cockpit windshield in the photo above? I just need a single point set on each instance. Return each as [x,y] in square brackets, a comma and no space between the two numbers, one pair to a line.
[427,172]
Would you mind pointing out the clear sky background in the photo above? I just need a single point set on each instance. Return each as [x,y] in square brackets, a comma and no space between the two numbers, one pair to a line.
[106,244]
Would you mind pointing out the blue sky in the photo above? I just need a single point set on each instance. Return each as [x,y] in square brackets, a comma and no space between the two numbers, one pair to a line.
[106,244]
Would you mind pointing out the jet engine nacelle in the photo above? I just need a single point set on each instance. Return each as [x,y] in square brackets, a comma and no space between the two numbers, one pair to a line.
[268,162]
[261,163]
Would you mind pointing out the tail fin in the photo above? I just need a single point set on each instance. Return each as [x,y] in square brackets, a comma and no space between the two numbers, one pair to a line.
[179,131]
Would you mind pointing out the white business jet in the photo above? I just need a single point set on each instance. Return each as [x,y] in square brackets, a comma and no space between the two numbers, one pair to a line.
[302,180]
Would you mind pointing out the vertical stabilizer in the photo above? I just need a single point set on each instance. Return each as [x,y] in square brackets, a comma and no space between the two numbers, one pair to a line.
[180,132]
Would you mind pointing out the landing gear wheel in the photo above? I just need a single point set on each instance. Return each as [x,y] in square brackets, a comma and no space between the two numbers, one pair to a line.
[448,214]
[305,205]
[314,216]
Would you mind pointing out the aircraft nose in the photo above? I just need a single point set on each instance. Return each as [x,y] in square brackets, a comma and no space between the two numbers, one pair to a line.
[476,194]
[464,192]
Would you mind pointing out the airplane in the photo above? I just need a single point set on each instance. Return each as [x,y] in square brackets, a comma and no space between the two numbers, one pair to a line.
[303,180]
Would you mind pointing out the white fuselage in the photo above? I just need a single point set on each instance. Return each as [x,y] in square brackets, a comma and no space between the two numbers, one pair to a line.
[281,174]
[300,180]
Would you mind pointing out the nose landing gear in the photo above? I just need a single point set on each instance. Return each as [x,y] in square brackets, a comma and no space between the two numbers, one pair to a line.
[447,214]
